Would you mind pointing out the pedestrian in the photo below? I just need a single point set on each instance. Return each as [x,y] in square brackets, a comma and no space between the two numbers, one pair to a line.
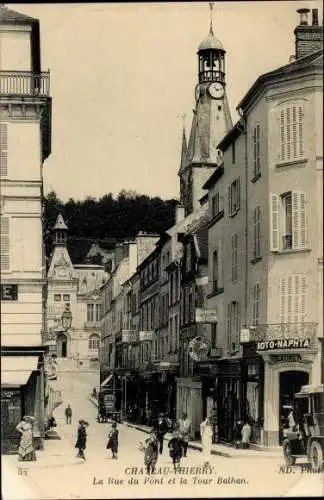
[68,414]
[113,440]
[81,439]
[26,451]
[176,445]
[151,452]
[246,434]
[184,426]
[206,433]
[161,428]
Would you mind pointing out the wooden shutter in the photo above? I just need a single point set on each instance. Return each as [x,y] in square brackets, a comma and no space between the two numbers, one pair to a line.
[282,136]
[299,222]
[229,333]
[234,256]
[290,298]
[257,231]
[302,298]
[229,196]
[274,222]
[258,162]
[254,242]
[220,265]
[237,325]
[4,244]
[283,299]
[254,151]
[238,194]
[3,149]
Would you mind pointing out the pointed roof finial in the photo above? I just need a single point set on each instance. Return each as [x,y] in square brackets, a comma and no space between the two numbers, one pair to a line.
[211,5]
[183,116]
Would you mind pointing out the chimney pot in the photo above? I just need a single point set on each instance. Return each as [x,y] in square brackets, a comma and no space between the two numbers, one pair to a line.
[315,17]
[303,16]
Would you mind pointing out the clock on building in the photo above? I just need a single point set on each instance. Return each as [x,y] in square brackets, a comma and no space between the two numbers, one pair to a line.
[62,272]
[216,90]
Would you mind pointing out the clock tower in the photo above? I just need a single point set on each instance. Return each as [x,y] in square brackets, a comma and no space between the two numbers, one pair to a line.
[211,121]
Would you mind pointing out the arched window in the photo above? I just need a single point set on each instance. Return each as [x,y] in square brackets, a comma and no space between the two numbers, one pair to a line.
[94,342]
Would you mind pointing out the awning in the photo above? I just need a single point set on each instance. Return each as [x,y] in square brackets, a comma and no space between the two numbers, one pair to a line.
[107,380]
[16,370]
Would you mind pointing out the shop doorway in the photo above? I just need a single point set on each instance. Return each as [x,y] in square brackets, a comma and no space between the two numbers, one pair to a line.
[290,382]
[61,345]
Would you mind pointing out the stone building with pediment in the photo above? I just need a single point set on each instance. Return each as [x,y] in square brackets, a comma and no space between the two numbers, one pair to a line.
[74,287]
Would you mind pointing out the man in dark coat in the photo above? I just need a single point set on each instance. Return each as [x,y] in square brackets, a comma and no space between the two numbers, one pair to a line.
[113,440]
[68,414]
[161,428]
[82,439]
[175,444]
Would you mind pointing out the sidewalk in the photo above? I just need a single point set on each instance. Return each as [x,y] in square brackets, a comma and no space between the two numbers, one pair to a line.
[222,450]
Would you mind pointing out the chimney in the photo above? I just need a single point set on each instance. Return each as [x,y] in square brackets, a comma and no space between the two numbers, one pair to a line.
[308,37]
[179,213]
[118,253]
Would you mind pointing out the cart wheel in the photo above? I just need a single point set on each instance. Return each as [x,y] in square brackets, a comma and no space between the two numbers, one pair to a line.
[316,456]
[287,451]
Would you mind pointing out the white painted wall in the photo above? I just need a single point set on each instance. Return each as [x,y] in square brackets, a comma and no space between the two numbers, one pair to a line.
[15,51]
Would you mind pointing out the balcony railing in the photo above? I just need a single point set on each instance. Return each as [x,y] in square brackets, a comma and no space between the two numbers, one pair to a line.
[24,83]
[284,331]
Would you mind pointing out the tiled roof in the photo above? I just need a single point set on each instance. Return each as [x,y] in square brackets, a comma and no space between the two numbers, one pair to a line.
[12,17]
[312,60]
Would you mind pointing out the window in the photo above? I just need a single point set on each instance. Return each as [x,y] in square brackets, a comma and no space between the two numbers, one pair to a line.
[57,297]
[90,312]
[98,312]
[293,298]
[292,133]
[288,221]
[215,271]
[66,297]
[3,149]
[233,326]
[256,250]
[256,304]
[234,257]
[213,336]
[234,197]
[217,204]
[94,342]
[256,151]
[4,244]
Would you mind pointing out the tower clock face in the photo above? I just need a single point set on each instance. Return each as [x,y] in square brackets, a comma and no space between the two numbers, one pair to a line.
[197,92]
[216,90]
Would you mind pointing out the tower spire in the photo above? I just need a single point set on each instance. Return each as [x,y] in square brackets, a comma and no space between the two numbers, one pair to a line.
[211,5]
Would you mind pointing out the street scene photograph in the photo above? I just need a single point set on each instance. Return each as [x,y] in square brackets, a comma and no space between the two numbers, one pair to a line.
[161,202]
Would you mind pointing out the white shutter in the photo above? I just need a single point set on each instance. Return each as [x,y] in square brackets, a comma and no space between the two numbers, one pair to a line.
[290,298]
[300,131]
[258,161]
[254,151]
[4,244]
[283,299]
[282,136]
[299,222]
[302,298]
[238,199]
[258,235]
[274,222]
[228,337]
[3,149]
[229,196]
[296,292]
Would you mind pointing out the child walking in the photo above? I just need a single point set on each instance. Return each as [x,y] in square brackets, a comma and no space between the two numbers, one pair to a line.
[113,440]
[176,444]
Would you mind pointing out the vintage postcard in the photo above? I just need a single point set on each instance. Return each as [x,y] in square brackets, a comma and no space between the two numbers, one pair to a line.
[161,250]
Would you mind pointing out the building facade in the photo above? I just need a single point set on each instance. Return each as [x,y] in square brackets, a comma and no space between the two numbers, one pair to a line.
[75,288]
[268,295]
[25,142]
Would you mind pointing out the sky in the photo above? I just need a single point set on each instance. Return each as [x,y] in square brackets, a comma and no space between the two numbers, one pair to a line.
[123,75]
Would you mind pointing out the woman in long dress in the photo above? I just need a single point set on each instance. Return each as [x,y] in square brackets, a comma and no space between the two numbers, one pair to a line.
[26,450]
[206,433]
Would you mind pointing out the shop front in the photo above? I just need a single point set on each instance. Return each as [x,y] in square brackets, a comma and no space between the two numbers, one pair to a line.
[289,363]
[230,398]
[22,393]
[189,400]
[253,385]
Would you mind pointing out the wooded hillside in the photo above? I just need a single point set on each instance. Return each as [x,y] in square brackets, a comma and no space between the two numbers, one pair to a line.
[106,220]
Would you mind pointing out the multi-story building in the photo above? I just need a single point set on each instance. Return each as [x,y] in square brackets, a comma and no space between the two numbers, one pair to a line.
[269,293]
[25,143]
[75,287]
[120,321]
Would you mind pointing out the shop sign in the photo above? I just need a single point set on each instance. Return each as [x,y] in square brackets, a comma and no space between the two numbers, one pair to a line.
[9,292]
[286,358]
[274,344]
[198,348]
[146,335]
[206,316]
[129,336]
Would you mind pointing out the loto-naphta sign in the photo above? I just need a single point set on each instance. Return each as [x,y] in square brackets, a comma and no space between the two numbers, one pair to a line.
[269,345]
[129,336]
